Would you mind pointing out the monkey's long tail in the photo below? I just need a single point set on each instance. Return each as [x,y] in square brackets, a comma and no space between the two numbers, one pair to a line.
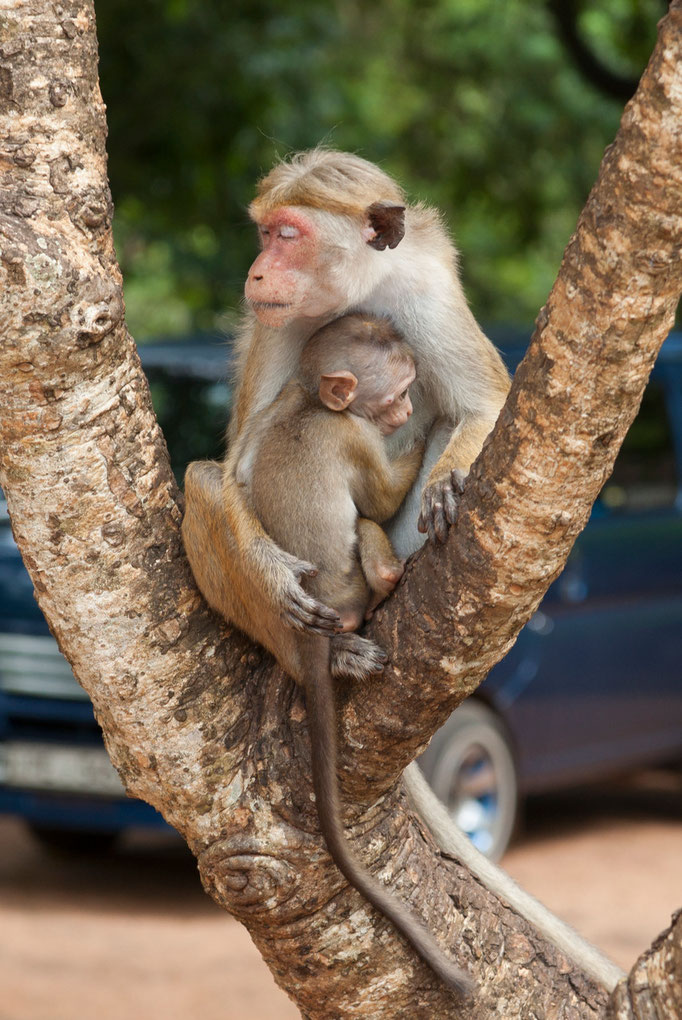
[322,720]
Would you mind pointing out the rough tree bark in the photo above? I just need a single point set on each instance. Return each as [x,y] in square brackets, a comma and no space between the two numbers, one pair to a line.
[197,720]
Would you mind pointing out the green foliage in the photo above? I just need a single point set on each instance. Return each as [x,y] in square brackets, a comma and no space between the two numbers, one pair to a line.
[473,104]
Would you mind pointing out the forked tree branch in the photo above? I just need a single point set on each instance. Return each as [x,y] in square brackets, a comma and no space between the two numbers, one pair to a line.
[198,721]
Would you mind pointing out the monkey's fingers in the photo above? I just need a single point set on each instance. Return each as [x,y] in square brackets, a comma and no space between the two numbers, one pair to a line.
[423,515]
[300,568]
[304,613]
[452,491]
[307,614]
[432,519]
[311,614]
[297,609]
[294,622]
[440,505]
[458,477]
[450,504]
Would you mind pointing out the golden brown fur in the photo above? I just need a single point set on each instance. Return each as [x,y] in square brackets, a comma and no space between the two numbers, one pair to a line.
[315,470]
[345,187]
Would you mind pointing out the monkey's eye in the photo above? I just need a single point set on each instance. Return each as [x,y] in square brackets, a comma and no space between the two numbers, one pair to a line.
[403,394]
[286,230]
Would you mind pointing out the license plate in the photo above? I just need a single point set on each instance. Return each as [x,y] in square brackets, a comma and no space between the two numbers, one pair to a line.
[61,769]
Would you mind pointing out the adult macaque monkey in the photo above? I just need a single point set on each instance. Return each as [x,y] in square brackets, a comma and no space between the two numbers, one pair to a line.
[337,236]
[320,461]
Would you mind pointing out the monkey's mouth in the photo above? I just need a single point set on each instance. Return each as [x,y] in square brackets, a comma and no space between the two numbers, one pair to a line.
[259,305]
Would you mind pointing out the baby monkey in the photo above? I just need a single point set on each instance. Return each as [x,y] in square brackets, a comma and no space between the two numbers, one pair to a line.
[321,483]
[321,479]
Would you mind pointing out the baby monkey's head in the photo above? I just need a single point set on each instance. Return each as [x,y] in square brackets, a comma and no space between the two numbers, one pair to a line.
[361,364]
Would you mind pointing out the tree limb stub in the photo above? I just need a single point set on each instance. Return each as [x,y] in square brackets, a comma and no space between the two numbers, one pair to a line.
[653,990]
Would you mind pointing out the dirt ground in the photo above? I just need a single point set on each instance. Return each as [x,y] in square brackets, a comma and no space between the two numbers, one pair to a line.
[132,934]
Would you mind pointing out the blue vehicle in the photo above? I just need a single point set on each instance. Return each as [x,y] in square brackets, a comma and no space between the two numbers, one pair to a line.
[591,688]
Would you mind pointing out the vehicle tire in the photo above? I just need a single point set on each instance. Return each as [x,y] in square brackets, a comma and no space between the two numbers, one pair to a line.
[70,842]
[469,765]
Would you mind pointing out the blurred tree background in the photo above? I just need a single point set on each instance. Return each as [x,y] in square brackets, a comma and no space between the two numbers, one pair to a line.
[497,111]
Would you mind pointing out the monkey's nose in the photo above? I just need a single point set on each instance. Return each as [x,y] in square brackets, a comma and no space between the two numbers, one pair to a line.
[257,278]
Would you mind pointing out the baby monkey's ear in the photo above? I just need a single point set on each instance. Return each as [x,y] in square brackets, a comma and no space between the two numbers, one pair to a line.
[337,390]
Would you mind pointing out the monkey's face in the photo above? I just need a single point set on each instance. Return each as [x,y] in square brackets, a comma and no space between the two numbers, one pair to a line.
[391,408]
[291,277]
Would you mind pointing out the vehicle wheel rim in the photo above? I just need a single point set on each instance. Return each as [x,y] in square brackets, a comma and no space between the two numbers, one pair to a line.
[473,780]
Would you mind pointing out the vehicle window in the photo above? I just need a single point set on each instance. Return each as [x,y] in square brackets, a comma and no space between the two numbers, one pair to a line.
[644,476]
[193,414]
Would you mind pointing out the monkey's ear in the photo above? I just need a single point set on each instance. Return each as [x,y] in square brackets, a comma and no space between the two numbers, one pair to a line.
[337,390]
[386,225]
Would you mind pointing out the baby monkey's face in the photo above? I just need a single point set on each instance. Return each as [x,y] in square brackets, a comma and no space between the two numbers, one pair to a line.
[388,405]
[371,382]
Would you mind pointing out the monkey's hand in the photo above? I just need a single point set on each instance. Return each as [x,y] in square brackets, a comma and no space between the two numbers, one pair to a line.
[282,574]
[440,504]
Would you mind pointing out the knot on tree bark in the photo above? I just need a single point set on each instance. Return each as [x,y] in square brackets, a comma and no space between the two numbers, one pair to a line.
[255,884]
[92,321]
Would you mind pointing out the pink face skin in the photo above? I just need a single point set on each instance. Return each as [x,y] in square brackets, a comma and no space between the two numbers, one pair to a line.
[392,409]
[283,281]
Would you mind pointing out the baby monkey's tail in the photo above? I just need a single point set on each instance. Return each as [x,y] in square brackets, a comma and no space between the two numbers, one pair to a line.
[322,720]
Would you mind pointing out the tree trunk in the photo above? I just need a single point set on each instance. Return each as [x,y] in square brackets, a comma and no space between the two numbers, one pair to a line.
[198,721]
